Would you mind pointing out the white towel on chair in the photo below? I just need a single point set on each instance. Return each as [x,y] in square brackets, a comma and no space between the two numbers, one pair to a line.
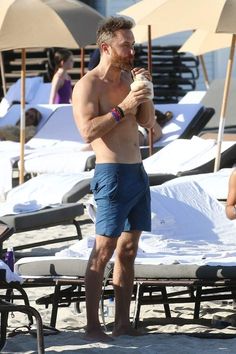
[10,276]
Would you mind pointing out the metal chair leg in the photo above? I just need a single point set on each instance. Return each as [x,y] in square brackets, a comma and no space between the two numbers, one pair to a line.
[4,318]
[6,307]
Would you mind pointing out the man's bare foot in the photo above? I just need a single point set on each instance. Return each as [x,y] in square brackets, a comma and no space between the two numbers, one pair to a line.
[97,336]
[129,331]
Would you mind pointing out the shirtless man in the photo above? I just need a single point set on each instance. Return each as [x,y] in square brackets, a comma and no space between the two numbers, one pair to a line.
[107,113]
[230,208]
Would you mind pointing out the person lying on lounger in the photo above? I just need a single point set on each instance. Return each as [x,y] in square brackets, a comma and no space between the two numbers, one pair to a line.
[144,134]
[230,208]
[12,132]
[161,120]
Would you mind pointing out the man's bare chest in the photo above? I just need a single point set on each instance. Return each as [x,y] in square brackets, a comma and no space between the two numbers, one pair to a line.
[111,95]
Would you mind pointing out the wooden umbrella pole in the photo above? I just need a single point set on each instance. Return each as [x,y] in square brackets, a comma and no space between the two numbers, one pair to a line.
[22,118]
[224,104]
[150,135]
[150,49]
[82,54]
[4,87]
[204,70]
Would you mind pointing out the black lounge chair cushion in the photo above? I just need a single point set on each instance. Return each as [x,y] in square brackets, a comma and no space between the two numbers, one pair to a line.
[47,217]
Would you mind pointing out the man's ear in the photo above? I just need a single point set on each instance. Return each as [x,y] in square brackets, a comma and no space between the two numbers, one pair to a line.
[105,48]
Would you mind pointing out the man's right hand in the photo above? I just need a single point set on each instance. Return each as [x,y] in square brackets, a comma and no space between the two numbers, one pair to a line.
[130,104]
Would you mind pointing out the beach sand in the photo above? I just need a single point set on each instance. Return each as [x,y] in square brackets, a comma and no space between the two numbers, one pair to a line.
[178,335]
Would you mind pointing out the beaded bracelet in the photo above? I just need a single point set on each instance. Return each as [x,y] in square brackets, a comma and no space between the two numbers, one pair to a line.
[117,113]
[121,111]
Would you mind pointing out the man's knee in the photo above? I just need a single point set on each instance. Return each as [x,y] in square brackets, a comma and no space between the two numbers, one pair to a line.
[127,254]
[102,252]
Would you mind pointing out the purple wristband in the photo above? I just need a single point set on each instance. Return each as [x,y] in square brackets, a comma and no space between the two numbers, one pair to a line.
[116,115]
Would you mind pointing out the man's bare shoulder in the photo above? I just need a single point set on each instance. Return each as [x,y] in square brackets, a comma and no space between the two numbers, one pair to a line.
[89,80]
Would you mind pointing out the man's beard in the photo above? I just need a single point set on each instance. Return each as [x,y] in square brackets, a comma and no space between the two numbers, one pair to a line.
[121,62]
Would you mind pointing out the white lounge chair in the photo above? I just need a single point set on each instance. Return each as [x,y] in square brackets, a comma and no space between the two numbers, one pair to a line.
[36,92]
[180,157]
[57,134]
[187,120]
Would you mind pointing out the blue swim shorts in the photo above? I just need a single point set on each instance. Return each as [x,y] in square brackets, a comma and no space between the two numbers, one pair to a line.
[122,195]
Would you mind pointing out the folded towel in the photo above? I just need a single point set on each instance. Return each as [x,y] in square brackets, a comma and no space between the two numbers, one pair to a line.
[10,276]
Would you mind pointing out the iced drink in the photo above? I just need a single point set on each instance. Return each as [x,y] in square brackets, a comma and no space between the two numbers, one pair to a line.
[140,81]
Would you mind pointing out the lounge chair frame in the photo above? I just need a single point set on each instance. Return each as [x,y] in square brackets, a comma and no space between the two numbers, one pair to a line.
[7,305]
[197,291]
[48,217]
[68,290]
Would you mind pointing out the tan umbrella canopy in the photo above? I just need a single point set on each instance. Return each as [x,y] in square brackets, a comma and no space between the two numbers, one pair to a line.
[44,23]
[164,17]
[65,23]
[202,41]
[170,16]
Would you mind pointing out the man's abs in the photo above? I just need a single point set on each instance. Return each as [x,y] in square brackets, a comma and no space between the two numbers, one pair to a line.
[116,150]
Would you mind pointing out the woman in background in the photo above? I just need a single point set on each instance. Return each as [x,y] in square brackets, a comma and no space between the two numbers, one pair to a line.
[61,89]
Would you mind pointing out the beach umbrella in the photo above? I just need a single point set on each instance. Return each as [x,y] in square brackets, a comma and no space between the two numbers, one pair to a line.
[203,41]
[44,23]
[221,34]
[170,16]
[217,16]
[157,18]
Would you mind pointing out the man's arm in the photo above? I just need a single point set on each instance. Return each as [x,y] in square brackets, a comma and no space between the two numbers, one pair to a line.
[146,115]
[157,131]
[85,109]
[231,198]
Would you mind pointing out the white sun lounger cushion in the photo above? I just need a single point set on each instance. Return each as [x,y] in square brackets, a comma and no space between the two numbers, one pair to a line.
[14,93]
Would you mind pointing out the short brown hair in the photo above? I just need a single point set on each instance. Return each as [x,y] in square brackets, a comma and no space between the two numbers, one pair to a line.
[108,27]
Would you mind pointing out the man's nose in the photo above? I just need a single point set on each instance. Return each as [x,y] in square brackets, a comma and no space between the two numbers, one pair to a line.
[132,51]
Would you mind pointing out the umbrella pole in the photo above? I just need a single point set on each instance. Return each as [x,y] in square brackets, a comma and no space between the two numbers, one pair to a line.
[203,65]
[150,135]
[224,104]
[82,62]
[22,118]
[3,75]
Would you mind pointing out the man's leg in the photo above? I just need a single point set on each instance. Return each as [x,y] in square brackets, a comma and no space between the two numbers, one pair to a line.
[123,278]
[100,255]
